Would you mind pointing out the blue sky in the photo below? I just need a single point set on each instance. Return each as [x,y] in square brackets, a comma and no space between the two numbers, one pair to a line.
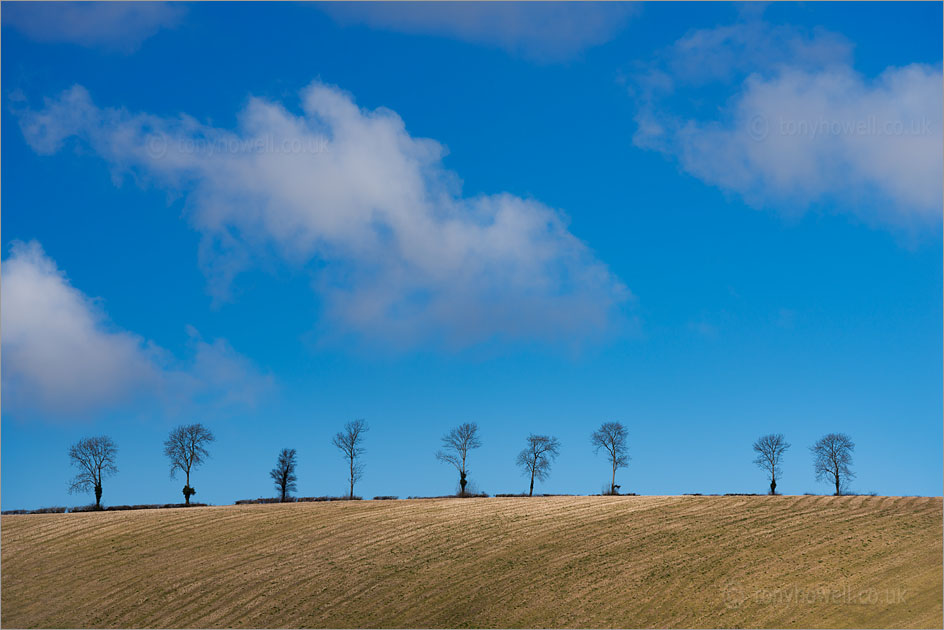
[708,224]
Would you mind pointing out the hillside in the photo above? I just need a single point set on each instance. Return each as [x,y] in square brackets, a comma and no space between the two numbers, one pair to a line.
[542,562]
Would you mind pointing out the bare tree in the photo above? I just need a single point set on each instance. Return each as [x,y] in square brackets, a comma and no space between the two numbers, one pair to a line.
[770,449]
[537,456]
[284,473]
[456,446]
[186,447]
[611,436]
[832,455]
[95,459]
[349,442]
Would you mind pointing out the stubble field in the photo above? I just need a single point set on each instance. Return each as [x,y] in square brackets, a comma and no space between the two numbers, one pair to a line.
[498,562]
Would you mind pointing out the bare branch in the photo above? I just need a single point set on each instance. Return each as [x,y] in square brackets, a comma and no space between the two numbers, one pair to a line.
[535,459]
[770,449]
[832,456]
[95,459]
[612,437]
[350,443]
[186,447]
[456,446]
[284,473]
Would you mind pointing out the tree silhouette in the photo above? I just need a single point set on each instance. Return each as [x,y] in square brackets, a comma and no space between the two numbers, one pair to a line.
[95,459]
[349,443]
[832,456]
[537,456]
[186,449]
[456,446]
[611,436]
[770,449]
[284,473]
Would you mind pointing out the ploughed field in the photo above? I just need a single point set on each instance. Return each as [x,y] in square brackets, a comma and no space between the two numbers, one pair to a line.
[508,562]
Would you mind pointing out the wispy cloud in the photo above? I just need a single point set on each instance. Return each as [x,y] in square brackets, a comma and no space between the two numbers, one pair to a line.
[704,329]
[63,357]
[798,125]
[116,26]
[542,31]
[402,255]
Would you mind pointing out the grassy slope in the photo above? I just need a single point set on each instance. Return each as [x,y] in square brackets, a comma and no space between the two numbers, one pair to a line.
[544,562]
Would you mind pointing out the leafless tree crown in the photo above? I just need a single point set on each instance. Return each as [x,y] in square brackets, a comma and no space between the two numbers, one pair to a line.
[832,456]
[456,446]
[186,447]
[284,473]
[95,459]
[770,449]
[350,443]
[536,458]
[612,438]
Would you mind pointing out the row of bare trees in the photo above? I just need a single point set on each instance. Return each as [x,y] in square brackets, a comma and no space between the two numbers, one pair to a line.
[95,458]
[536,457]
[832,458]
[350,442]
[187,447]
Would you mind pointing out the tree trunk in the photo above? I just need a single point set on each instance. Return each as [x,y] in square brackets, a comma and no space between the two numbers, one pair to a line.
[837,484]
[531,491]
[98,496]
[187,487]
[462,482]
[613,480]
[352,479]
[773,486]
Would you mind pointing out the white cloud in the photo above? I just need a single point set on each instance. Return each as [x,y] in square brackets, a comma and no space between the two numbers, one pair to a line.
[724,53]
[403,256]
[216,374]
[63,357]
[544,31]
[800,127]
[120,26]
